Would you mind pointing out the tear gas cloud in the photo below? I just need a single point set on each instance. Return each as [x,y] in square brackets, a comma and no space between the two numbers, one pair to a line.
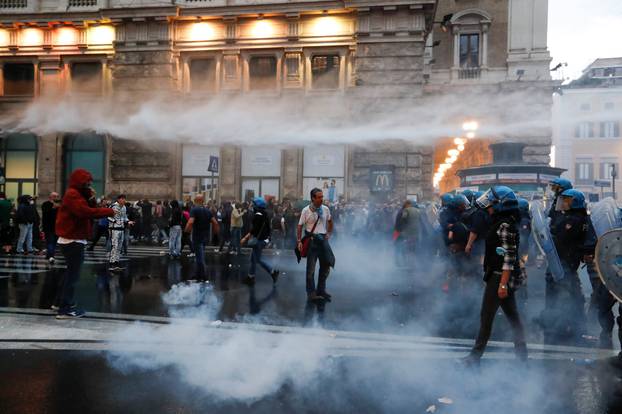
[252,119]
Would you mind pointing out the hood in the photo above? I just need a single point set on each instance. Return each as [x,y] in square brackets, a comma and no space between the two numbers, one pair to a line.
[79,177]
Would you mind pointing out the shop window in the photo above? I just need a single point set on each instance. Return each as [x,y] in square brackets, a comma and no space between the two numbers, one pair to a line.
[19,79]
[86,77]
[203,75]
[262,72]
[88,151]
[325,71]
[20,165]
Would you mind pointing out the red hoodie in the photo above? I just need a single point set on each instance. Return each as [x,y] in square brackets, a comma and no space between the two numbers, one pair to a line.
[76,213]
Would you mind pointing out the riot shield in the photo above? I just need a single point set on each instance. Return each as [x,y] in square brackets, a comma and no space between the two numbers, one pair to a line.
[542,236]
[605,216]
[609,261]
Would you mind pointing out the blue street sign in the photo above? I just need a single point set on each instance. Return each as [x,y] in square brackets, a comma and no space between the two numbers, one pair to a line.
[213,164]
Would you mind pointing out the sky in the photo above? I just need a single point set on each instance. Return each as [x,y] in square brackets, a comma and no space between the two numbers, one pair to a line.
[581,31]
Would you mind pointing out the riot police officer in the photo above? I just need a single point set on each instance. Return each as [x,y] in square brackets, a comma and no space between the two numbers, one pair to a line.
[570,237]
[547,319]
[502,271]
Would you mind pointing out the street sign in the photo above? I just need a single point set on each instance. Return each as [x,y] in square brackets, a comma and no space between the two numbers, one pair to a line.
[602,183]
[213,164]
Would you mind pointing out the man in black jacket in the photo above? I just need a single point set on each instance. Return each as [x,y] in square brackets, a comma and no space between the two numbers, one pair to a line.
[260,231]
[26,217]
[48,222]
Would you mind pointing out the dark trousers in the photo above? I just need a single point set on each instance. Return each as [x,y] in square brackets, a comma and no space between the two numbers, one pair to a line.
[490,305]
[99,232]
[50,241]
[257,259]
[74,257]
[199,250]
[313,255]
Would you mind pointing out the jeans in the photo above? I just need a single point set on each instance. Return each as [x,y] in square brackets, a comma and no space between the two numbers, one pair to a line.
[50,241]
[256,258]
[174,241]
[313,255]
[236,236]
[74,257]
[490,305]
[25,235]
[116,237]
[199,250]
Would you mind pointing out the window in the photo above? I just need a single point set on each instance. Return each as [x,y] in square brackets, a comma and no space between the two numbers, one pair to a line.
[584,130]
[609,106]
[469,50]
[262,72]
[609,129]
[584,171]
[609,72]
[292,64]
[607,167]
[87,151]
[325,72]
[20,165]
[203,75]
[13,4]
[586,107]
[86,77]
[19,79]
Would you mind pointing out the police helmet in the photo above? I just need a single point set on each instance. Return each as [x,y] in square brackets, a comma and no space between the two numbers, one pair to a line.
[460,200]
[523,205]
[500,198]
[259,202]
[469,195]
[563,183]
[446,199]
[578,198]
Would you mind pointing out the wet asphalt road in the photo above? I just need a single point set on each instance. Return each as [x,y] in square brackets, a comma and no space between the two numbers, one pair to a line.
[369,294]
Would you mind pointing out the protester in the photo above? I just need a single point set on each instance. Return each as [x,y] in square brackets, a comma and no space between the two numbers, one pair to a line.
[175,223]
[6,230]
[49,209]
[26,217]
[317,223]
[117,225]
[199,224]
[260,234]
[74,223]
[237,214]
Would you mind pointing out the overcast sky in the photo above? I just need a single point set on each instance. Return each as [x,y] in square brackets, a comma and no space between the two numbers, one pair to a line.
[583,30]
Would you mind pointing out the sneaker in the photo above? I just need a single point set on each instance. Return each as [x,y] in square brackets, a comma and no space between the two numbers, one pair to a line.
[54,308]
[191,255]
[325,295]
[275,276]
[70,314]
[470,361]
[52,260]
[248,280]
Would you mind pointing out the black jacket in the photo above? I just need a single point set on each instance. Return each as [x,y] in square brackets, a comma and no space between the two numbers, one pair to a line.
[48,217]
[261,224]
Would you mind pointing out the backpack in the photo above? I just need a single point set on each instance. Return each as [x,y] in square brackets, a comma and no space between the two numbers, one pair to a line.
[276,222]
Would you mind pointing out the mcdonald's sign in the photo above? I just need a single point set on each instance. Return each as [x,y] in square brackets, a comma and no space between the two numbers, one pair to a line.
[381,179]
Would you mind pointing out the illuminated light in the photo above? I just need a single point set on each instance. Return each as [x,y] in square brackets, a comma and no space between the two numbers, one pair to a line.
[470,126]
[101,35]
[460,147]
[470,135]
[66,36]
[262,29]
[202,31]
[459,141]
[453,152]
[326,26]
[31,37]
[4,37]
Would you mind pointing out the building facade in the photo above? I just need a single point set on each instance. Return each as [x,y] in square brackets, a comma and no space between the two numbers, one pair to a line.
[368,52]
[586,128]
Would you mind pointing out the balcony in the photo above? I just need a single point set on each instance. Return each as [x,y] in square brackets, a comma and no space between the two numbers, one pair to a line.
[469,73]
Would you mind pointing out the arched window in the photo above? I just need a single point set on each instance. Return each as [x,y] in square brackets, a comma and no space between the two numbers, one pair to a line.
[470,30]
[88,151]
[19,158]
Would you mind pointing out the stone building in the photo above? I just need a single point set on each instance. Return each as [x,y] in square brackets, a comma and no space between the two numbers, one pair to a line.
[586,128]
[368,51]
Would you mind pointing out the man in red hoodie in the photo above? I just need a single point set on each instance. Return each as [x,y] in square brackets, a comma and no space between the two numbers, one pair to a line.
[74,222]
